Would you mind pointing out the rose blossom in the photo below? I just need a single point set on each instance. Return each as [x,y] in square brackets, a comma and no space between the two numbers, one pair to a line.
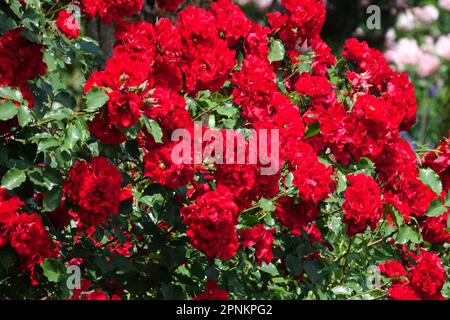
[427,64]
[404,52]
[445,4]
[427,14]
[442,47]
[406,21]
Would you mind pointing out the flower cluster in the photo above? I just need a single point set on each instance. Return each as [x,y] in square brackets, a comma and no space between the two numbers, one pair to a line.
[109,11]
[25,233]
[421,280]
[95,189]
[128,200]
[211,224]
[362,204]
[20,60]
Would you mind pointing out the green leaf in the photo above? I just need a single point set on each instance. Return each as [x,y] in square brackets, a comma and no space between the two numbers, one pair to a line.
[60,113]
[54,269]
[288,180]
[436,208]
[398,218]
[154,128]
[172,292]
[95,99]
[8,110]
[407,234]
[270,269]
[47,179]
[11,94]
[48,143]
[227,110]
[267,205]
[431,179]
[52,199]
[314,271]
[293,265]
[342,291]
[7,257]
[342,182]
[277,51]
[72,137]
[312,130]
[13,179]
[24,115]
[447,199]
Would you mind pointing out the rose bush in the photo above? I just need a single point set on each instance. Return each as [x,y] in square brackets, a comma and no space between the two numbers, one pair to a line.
[89,179]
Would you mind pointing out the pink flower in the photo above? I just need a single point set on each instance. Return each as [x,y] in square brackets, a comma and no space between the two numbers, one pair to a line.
[427,14]
[445,4]
[442,46]
[427,64]
[405,52]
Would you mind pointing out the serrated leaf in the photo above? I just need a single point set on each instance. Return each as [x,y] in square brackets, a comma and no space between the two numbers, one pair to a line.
[52,199]
[71,138]
[436,208]
[11,94]
[312,130]
[48,143]
[293,265]
[407,234]
[154,128]
[342,291]
[60,113]
[267,205]
[270,269]
[227,110]
[13,179]
[431,179]
[95,99]
[288,180]
[277,51]
[8,110]
[24,115]
[54,270]
[342,182]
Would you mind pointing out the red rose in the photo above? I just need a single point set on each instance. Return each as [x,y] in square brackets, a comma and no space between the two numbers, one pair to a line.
[169,5]
[362,206]
[403,292]
[95,188]
[103,130]
[427,276]
[68,25]
[295,215]
[261,238]
[21,54]
[109,11]
[212,292]
[123,109]
[211,224]
[159,166]
[29,238]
